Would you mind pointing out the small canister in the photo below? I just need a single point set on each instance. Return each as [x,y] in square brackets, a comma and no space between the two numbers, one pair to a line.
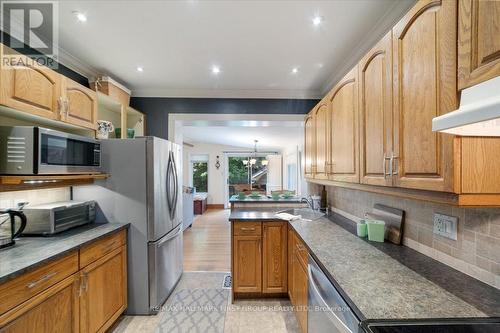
[376,230]
[362,229]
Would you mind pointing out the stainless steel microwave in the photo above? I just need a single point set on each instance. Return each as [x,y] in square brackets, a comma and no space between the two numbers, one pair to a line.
[31,150]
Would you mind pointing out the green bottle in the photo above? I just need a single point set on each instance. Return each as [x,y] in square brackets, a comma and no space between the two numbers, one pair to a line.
[324,199]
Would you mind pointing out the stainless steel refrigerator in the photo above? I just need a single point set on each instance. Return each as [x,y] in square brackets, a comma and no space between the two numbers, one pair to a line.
[144,188]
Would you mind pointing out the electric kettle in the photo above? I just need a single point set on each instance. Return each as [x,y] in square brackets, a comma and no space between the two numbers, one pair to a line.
[8,230]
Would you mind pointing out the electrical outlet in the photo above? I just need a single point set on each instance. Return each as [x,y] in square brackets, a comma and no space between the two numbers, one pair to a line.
[445,225]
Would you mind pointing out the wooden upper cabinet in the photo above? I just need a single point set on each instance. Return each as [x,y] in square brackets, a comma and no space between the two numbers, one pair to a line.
[344,129]
[375,110]
[309,146]
[322,135]
[27,86]
[478,41]
[104,291]
[80,104]
[425,86]
[479,171]
[274,261]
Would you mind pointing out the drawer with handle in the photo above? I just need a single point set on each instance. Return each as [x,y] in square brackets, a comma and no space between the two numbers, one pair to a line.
[22,288]
[94,251]
[247,228]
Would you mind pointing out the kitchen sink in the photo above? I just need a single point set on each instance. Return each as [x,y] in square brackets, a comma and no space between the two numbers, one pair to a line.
[306,213]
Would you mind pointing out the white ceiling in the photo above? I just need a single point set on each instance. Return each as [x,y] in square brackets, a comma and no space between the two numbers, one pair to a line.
[255,43]
[273,137]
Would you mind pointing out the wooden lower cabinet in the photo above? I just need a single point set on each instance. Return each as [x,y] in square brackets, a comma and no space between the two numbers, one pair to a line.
[278,268]
[299,281]
[104,295]
[247,264]
[290,259]
[259,257]
[300,293]
[53,310]
[88,300]
[274,257]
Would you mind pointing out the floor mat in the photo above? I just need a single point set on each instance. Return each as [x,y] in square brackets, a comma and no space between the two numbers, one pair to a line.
[227,281]
[194,310]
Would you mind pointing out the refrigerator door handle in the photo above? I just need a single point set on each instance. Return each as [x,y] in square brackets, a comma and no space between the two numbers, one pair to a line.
[176,232]
[169,199]
[176,186]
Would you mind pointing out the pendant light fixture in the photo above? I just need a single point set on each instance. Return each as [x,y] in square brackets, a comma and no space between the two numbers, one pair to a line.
[253,160]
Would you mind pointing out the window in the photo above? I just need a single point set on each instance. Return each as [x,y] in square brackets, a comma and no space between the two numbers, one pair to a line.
[200,176]
[199,172]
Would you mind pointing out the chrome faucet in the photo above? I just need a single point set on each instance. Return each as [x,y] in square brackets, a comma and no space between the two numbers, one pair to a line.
[308,201]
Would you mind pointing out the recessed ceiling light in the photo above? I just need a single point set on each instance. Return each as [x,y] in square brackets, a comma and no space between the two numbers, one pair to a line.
[81,17]
[295,70]
[317,20]
[215,70]
[140,69]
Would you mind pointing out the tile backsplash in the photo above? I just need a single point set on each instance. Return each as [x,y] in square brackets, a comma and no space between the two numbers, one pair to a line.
[476,251]
[34,197]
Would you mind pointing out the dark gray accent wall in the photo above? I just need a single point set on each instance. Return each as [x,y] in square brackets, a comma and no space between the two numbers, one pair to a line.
[61,69]
[157,109]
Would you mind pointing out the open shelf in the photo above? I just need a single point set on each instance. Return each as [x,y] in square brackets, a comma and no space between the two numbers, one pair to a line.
[19,183]
[122,116]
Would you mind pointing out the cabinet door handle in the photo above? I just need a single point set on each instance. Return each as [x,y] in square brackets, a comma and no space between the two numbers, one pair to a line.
[60,106]
[391,166]
[260,245]
[385,166]
[42,279]
[66,107]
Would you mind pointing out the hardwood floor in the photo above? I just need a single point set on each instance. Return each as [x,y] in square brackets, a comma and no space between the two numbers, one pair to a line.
[207,244]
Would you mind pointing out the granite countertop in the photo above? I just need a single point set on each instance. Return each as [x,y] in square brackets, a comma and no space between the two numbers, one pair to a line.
[31,252]
[255,214]
[387,281]
[264,199]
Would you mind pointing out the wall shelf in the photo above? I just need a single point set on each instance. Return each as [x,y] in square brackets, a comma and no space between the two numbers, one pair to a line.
[20,183]
[122,116]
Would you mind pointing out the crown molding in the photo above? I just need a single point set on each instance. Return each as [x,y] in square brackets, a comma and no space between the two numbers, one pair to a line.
[228,93]
[383,25]
[67,59]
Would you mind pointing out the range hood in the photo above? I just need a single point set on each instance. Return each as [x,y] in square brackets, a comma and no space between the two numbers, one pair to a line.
[478,114]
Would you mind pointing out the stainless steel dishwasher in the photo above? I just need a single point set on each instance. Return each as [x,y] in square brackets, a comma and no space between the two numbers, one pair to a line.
[328,312]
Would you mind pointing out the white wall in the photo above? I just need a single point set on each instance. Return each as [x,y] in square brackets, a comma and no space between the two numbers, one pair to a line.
[216,182]
[34,197]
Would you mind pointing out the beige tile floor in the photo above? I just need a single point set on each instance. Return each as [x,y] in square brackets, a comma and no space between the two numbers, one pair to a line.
[243,316]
